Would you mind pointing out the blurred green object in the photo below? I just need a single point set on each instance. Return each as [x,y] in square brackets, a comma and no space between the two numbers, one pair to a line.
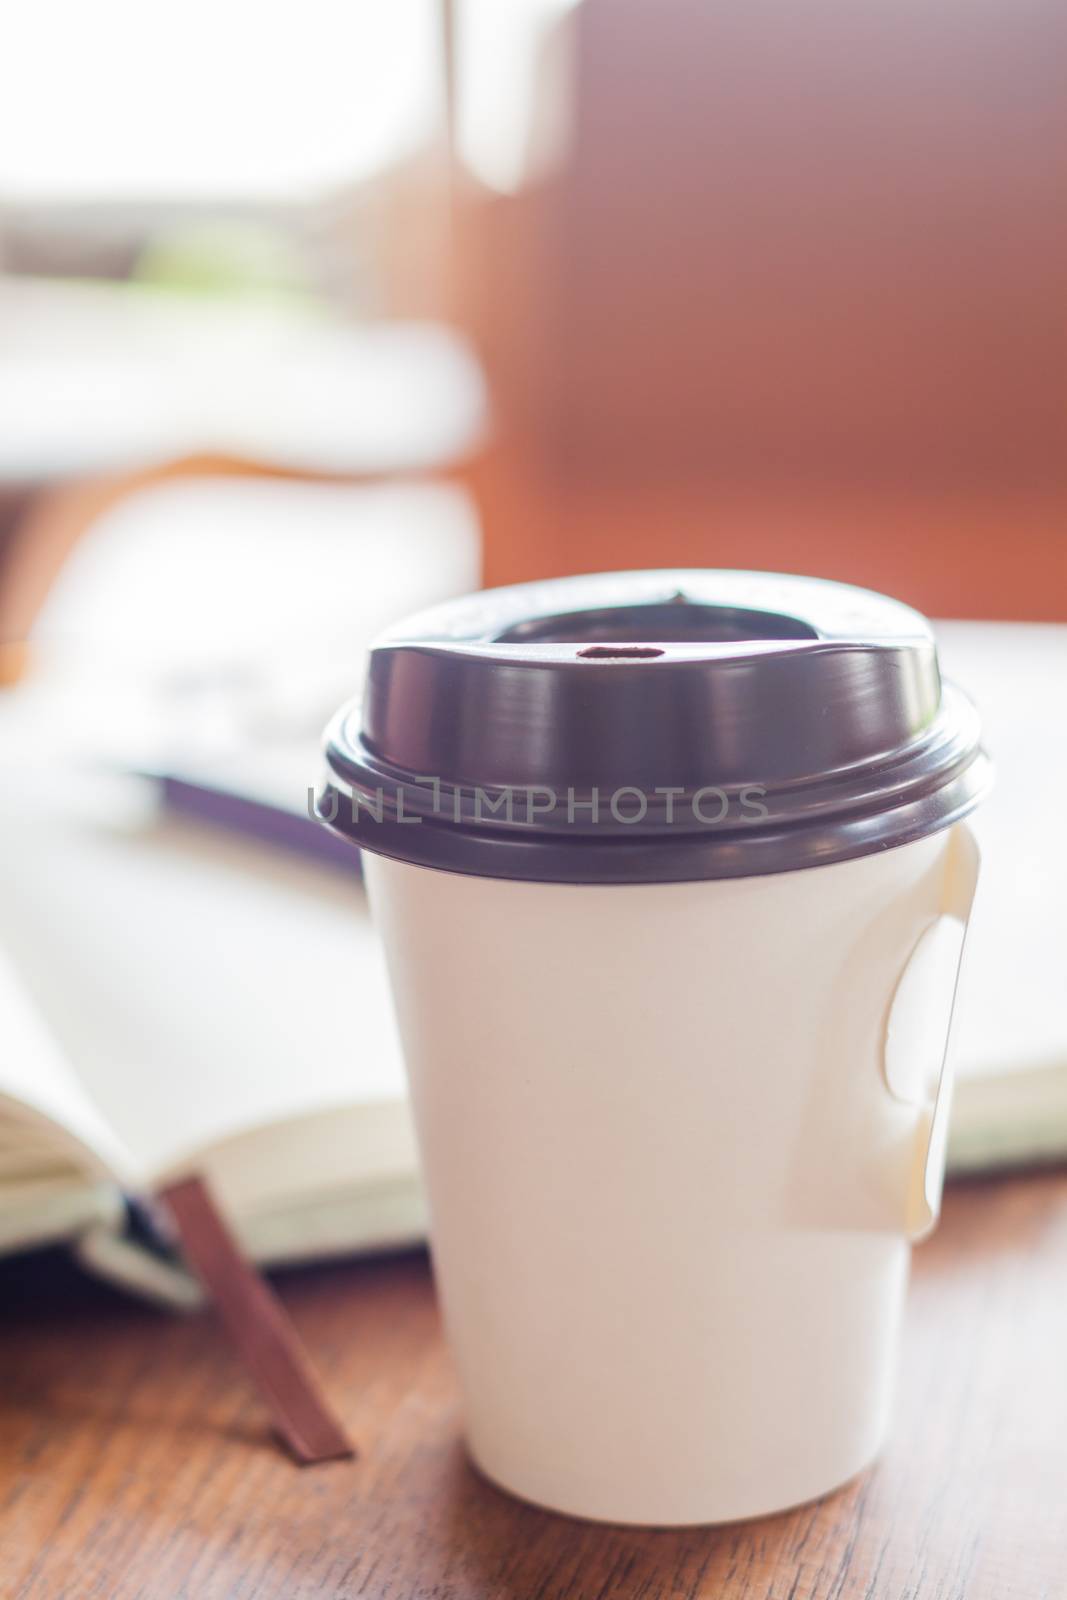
[225,258]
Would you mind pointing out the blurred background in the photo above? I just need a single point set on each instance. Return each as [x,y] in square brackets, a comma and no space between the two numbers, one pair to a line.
[750,285]
[310,317]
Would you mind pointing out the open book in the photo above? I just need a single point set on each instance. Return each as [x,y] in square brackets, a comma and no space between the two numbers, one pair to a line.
[1010,1104]
[173,1001]
[176,999]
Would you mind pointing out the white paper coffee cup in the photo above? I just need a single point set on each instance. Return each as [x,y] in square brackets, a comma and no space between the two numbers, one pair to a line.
[677,1133]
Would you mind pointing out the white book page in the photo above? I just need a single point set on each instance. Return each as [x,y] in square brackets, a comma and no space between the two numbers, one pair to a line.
[1013,1011]
[46,1118]
[198,985]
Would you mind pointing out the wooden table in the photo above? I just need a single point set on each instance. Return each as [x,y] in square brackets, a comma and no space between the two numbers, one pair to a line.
[135,1463]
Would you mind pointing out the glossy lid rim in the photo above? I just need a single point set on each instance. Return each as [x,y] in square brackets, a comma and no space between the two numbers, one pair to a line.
[884,752]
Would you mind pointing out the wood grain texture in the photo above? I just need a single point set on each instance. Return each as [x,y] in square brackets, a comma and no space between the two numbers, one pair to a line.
[136,1465]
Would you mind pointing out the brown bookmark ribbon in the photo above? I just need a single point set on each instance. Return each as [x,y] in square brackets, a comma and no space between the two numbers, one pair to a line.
[265,1339]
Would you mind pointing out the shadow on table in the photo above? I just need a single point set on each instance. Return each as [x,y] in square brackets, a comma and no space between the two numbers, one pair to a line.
[497,1546]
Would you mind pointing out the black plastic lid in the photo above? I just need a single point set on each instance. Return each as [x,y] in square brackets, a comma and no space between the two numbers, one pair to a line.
[653,727]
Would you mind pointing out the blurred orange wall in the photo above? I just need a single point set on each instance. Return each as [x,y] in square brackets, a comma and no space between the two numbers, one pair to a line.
[796,300]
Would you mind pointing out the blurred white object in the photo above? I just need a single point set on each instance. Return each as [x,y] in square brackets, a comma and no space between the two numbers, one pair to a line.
[95,377]
[214,614]
[231,100]
[203,575]
[514,89]
[1011,1089]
